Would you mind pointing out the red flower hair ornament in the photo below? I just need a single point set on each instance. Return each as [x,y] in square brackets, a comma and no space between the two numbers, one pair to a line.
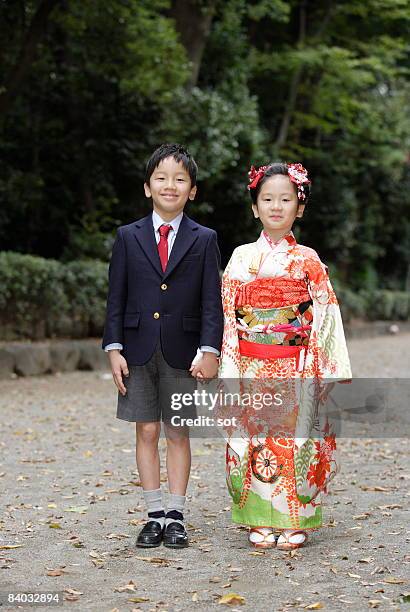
[296,172]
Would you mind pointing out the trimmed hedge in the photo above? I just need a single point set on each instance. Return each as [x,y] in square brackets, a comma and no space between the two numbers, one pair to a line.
[376,305]
[43,298]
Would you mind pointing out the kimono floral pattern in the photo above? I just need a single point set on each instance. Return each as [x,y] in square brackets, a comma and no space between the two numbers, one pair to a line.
[279,460]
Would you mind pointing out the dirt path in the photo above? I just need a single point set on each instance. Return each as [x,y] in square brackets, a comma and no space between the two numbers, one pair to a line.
[72,505]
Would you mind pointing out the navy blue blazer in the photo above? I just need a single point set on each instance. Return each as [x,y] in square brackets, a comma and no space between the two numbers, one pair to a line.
[181,307]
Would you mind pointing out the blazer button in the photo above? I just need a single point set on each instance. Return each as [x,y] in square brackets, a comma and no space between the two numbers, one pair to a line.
[164,287]
[156,315]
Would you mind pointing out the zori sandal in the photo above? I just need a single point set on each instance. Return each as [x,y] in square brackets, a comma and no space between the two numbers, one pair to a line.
[262,537]
[290,539]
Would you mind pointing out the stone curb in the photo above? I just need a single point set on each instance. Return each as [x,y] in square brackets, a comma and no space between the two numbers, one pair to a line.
[376,328]
[36,358]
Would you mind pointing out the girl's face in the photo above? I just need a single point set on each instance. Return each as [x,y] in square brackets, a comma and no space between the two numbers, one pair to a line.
[277,205]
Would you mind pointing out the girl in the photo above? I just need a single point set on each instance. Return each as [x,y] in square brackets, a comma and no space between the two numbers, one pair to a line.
[283,337]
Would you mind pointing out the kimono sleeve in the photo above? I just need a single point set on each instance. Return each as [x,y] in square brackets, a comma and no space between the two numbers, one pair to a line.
[230,359]
[328,350]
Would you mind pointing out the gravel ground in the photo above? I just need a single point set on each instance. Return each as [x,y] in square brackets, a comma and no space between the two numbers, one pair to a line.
[72,506]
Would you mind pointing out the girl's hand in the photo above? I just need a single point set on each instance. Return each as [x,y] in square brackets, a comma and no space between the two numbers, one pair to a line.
[324,392]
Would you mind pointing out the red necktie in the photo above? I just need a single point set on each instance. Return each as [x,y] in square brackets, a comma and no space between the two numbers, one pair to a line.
[163,245]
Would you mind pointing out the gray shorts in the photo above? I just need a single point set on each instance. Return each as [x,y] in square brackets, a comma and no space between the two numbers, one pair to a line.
[152,390]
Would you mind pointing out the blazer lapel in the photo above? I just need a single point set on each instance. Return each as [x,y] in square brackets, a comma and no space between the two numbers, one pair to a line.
[144,233]
[185,238]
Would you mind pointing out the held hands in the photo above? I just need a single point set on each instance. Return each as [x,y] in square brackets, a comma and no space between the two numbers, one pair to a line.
[206,367]
[324,392]
[119,368]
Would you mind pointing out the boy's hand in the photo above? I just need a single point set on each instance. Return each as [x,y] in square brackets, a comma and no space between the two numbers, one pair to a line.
[119,367]
[207,366]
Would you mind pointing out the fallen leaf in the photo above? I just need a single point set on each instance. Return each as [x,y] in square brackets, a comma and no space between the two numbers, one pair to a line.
[127,587]
[117,536]
[54,525]
[315,606]
[10,546]
[195,596]
[94,554]
[353,575]
[77,509]
[362,517]
[394,580]
[231,599]
[138,599]
[380,489]
[257,553]
[390,507]
[71,594]
[56,572]
[156,560]
[72,591]
[366,560]
[374,603]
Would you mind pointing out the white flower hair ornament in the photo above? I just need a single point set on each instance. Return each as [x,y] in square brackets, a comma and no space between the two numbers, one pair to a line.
[298,175]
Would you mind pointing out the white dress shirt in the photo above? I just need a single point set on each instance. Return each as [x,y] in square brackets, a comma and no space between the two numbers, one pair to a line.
[157,221]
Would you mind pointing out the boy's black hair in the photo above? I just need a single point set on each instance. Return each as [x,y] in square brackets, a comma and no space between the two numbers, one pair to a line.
[277,168]
[178,153]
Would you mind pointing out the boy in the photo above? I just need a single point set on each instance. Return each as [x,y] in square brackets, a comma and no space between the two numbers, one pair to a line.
[164,303]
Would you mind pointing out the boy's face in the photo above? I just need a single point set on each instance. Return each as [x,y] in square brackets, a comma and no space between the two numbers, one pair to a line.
[170,188]
[277,204]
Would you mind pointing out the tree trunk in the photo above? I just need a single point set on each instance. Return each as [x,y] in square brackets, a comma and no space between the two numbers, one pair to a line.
[294,83]
[297,75]
[193,25]
[34,34]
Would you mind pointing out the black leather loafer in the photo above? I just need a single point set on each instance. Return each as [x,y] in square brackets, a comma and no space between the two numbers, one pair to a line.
[175,536]
[150,535]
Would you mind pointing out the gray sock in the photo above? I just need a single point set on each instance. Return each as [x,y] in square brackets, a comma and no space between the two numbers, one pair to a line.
[155,506]
[175,509]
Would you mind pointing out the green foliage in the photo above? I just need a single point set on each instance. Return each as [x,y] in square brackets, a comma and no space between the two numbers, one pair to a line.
[211,117]
[324,83]
[85,287]
[376,305]
[45,298]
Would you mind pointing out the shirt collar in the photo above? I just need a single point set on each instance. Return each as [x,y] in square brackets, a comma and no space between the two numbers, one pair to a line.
[175,223]
[288,240]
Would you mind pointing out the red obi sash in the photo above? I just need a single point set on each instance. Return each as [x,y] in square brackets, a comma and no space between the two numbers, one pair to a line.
[272,293]
[270,351]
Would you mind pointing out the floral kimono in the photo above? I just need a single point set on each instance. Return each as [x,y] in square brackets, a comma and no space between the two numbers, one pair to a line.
[283,339]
